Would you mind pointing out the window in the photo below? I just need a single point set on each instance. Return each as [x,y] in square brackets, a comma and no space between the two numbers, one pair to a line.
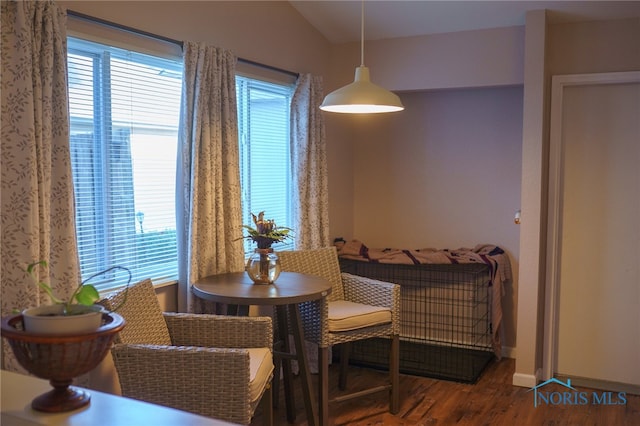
[124,110]
[265,165]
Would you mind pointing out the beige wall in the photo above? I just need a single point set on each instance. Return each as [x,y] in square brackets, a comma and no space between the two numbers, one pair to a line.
[443,173]
[590,47]
[530,301]
[467,59]
[481,58]
[272,33]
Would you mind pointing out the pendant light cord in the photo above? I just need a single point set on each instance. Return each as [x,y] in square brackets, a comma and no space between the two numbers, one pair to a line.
[362,35]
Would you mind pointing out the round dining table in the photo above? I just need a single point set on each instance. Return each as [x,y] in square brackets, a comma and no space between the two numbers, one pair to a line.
[288,291]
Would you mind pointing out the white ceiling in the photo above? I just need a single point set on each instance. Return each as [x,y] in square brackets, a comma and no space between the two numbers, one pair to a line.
[339,21]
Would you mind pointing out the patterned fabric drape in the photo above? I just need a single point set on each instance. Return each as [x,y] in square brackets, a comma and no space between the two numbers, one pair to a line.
[309,165]
[37,215]
[209,211]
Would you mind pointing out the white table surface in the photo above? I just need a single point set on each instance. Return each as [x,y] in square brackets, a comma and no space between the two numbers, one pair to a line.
[104,409]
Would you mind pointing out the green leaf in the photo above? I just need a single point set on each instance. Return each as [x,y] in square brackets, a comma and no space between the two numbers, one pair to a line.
[87,295]
[32,266]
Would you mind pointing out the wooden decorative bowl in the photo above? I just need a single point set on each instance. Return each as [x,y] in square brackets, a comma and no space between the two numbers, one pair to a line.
[60,358]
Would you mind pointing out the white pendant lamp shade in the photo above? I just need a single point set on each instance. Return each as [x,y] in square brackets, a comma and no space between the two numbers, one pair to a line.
[361,97]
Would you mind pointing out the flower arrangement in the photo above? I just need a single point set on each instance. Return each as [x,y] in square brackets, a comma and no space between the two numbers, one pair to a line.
[266,232]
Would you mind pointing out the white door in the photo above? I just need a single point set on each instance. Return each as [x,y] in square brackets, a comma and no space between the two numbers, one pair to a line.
[595,229]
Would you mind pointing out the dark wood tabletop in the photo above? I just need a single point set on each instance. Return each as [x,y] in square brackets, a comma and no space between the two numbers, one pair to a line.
[237,288]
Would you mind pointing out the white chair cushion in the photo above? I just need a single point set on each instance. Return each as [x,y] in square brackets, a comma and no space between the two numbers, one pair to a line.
[345,315]
[261,367]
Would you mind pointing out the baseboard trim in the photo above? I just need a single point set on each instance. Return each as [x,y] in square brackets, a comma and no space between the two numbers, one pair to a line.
[606,385]
[524,380]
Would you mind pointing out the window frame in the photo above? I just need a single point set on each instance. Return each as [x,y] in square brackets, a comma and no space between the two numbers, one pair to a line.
[284,85]
[101,126]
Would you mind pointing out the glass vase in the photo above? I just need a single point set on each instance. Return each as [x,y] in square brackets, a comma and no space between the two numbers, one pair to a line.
[263,267]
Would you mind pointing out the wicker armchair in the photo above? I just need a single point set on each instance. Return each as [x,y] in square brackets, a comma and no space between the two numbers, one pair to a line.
[212,365]
[357,308]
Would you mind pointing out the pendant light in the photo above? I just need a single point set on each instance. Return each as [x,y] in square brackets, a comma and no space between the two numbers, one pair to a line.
[361,96]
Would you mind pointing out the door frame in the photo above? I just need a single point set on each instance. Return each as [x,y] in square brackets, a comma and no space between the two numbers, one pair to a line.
[552,278]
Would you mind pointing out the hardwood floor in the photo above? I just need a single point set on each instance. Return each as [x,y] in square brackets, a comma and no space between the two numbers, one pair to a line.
[491,401]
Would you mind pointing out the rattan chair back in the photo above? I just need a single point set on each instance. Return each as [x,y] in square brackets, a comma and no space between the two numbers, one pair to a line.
[321,262]
[141,309]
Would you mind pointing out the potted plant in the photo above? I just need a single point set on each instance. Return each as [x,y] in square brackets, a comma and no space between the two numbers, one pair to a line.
[263,266]
[61,341]
[78,314]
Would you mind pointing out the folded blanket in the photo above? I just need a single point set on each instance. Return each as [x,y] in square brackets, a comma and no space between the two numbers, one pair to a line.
[492,255]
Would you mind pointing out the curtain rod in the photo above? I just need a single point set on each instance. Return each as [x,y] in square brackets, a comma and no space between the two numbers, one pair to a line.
[163,38]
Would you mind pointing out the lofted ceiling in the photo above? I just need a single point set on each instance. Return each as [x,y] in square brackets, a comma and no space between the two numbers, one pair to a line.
[339,21]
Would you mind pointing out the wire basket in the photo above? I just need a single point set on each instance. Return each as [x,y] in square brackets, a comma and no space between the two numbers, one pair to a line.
[60,358]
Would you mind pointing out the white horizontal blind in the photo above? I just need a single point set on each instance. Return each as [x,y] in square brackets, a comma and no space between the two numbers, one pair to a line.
[124,109]
[265,164]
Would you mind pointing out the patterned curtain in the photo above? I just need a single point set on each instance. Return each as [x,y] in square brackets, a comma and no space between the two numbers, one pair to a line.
[309,165]
[209,212]
[37,214]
